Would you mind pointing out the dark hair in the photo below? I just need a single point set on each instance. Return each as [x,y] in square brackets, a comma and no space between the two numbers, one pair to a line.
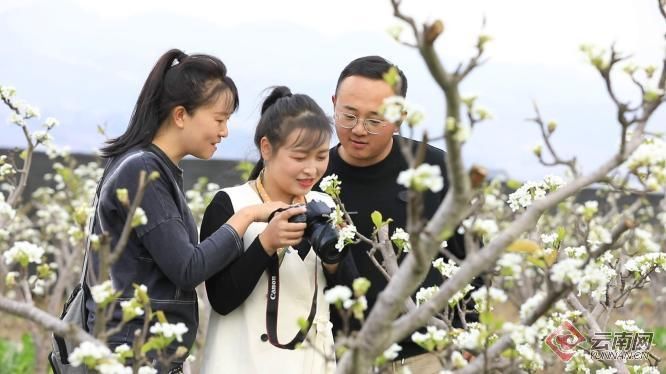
[372,67]
[281,113]
[176,80]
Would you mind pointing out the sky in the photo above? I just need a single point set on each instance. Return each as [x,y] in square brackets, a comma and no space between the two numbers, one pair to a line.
[84,62]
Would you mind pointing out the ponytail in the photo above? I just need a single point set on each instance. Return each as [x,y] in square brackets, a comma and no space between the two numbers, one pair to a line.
[176,80]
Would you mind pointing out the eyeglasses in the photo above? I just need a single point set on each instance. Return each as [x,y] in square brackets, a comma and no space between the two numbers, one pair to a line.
[349,121]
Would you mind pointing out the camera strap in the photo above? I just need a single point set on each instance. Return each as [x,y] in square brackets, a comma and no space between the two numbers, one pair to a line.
[272,300]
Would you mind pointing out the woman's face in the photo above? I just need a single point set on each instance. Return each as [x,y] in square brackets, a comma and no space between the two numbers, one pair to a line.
[207,125]
[293,169]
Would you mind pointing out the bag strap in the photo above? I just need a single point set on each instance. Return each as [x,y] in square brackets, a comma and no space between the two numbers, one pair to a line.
[90,225]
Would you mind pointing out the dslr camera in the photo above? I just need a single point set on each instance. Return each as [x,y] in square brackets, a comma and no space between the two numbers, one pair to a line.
[319,231]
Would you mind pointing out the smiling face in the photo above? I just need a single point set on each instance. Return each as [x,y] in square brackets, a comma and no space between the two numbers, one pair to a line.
[295,167]
[362,97]
[204,129]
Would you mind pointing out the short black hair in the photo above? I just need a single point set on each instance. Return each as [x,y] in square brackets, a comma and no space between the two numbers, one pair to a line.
[372,67]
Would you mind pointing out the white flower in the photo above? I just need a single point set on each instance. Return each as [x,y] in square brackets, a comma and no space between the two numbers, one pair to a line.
[628,325]
[330,185]
[424,177]
[567,270]
[51,123]
[484,228]
[169,330]
[579,253]
[7,91]
[336,217]
[393,109]
[17,119]
[30,111]
[24,253]
[642,265]
[509,265]
[532,191]
[102,292]
[424,294]
[483,295]
[147,370]
[470,338]
[530,360]
[131,308]
[113,368]
[401,239]
[414,115]
[345,236]
[458,360]
[337,294]
[88,350]
[6,210]
[596,277]
[392,352]
[606,371]
[446,268]
[122,349]
[459,130]
[548,238]
[459,295]
[139,217]
[530,305]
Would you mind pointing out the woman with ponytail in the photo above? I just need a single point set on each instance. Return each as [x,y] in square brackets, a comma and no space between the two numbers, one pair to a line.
[278,274]
[183,109]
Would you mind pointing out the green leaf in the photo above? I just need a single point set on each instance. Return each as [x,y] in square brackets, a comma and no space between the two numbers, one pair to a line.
[376,219]
[660,337]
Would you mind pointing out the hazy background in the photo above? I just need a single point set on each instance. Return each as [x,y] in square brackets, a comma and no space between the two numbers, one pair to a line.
[84,63]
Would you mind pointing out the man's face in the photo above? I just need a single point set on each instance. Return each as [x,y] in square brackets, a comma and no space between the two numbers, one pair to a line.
[362,97]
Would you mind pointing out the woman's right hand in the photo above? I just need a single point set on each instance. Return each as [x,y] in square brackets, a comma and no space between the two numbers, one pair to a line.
[280,232]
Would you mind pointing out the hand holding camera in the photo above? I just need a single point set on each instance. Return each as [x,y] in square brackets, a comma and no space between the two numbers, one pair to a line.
[280,231]
[319,231]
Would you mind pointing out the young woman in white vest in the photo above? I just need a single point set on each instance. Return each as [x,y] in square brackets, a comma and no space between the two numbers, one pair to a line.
[279,273]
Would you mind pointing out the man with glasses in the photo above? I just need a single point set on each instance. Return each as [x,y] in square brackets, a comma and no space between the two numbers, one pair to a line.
[367,161]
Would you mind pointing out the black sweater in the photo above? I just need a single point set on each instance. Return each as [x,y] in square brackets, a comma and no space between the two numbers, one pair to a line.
[375,187]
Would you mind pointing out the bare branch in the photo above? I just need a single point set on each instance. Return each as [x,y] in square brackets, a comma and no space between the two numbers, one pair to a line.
[45,320]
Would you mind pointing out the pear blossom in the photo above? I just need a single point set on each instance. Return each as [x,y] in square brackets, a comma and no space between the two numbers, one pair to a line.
[531,304]
[169,330]
[103,293]
[88,353]
[7,92]
[147,370]
[424,177]
[531,191]
[548,239]
[23,252]
[393,109]
[446,268]
[392,352]
[337,294]
[425,293]
[346,235]
[485,298]
[567,270]
[401,239]
[113,368]
[139,217]
[331,185]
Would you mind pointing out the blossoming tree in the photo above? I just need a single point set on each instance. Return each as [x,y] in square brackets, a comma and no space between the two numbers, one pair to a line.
[552,257]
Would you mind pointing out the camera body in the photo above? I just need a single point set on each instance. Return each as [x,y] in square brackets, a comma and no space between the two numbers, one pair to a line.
[319,231]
